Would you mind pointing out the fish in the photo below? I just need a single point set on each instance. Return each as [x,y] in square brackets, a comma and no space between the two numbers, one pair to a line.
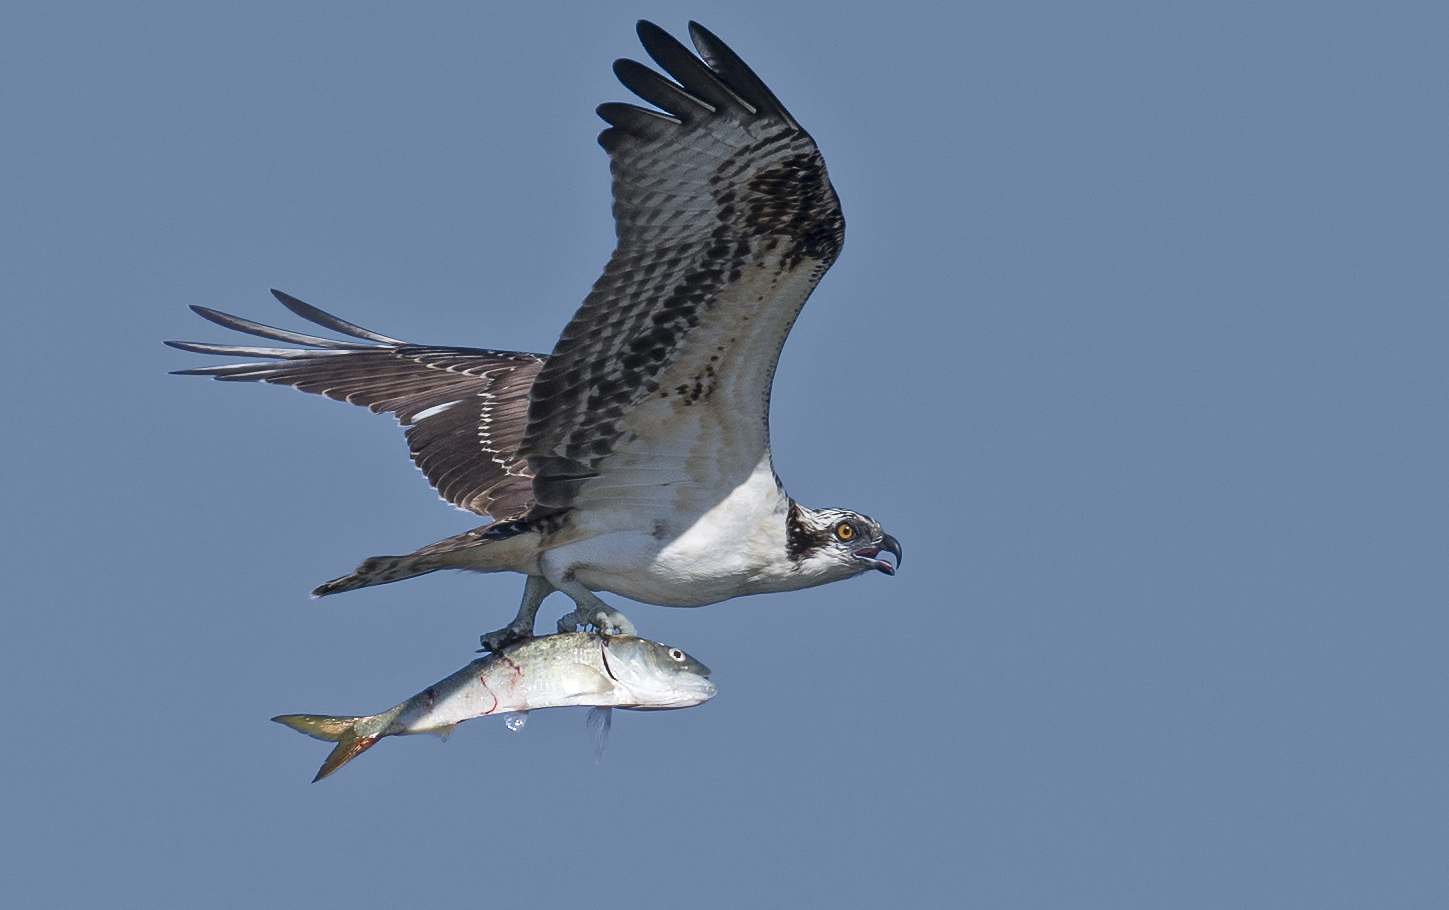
[552,671]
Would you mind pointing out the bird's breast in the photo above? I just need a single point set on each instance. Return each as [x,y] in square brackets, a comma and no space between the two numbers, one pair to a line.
[683,558]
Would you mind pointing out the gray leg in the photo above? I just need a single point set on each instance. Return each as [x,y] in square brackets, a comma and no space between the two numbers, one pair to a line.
[591,611]
[534,592]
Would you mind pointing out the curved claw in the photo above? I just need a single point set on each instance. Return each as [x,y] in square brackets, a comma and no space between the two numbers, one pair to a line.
[608,621]
[509,634]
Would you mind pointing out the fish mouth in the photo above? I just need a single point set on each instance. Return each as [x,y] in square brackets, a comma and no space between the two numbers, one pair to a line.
[698,692]
[870,555]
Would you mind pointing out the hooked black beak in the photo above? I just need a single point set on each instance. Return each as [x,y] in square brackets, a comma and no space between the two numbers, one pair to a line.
[890,545]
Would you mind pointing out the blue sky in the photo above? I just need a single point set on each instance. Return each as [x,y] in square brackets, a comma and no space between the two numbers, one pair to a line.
[1137,344]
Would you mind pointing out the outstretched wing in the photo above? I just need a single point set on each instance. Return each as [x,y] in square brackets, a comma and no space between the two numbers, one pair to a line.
[464,408]
[726,221]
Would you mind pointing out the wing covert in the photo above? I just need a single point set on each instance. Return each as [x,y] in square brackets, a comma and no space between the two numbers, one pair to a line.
[724,214]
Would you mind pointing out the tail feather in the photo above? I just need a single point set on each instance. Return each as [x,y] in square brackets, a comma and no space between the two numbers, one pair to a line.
[339,730]
[503,546]
[380,570]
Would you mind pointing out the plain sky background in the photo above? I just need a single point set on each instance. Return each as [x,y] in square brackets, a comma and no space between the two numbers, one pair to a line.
[1138,344]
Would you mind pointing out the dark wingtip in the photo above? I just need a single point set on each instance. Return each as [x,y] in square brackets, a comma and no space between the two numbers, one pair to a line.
[649,32]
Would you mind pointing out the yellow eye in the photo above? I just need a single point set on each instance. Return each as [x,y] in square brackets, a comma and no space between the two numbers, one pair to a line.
[844,531]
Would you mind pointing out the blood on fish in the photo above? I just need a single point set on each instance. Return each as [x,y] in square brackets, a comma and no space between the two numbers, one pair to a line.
[484,683]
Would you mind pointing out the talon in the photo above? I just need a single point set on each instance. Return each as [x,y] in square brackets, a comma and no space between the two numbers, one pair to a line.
[622,626]
[605,622]
[572,622]
[612,622]
[509,634]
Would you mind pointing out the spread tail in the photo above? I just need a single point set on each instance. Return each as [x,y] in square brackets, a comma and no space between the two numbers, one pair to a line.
[339,730]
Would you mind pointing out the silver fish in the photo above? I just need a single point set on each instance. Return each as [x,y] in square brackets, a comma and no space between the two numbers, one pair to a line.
[571,668]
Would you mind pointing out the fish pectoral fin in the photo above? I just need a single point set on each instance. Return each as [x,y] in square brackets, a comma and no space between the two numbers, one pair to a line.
[598,722]
[586,682]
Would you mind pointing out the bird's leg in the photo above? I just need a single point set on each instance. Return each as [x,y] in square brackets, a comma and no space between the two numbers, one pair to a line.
[591,611]
[534,592]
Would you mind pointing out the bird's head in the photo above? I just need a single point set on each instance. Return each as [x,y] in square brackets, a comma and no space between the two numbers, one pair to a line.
[838,543]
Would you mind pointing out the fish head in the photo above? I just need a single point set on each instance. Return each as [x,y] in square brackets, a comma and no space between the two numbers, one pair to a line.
[655,675]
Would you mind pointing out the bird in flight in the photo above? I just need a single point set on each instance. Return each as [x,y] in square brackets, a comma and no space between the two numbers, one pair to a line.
[635,457]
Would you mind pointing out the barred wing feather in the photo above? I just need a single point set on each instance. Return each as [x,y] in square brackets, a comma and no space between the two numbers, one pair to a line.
[464,408]
[726,221]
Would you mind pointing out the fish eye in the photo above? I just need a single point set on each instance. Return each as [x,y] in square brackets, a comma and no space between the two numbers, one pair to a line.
[844,531]
[676,655]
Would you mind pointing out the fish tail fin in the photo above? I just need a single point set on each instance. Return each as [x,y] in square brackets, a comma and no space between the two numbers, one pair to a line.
[339,730]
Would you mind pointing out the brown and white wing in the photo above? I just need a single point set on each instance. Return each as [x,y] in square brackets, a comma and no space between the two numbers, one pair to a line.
[726,221]
[465,409]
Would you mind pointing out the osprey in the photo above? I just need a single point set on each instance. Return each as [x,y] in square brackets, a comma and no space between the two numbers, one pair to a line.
[634,458]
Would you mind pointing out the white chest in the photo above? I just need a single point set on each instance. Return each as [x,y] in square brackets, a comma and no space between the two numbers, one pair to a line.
[681,559]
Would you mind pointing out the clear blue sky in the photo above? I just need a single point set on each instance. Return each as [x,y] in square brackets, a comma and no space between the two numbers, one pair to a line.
[1138,344]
